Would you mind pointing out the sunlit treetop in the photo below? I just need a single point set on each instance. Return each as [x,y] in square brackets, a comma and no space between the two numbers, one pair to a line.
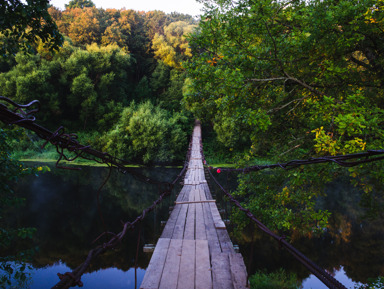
[79,4]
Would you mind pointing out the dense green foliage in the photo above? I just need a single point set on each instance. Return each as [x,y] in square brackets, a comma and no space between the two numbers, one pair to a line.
[108,81]
[79,4]
[148,133]
[276,280]
[172,47]
[292,80]
[82,88]
[109,58]
[275,79]
[22,23]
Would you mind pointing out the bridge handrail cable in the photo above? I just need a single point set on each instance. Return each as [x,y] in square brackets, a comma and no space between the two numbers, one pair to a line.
[63,141]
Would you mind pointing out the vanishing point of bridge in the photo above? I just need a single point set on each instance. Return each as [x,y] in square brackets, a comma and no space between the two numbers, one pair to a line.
[194,250]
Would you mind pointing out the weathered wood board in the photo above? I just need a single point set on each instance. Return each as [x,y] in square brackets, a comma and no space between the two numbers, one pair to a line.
[195,250]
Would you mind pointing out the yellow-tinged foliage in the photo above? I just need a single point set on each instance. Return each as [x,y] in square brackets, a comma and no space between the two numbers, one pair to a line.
[172,47]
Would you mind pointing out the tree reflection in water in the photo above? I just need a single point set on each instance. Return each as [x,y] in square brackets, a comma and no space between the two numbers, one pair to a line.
[62,206]
[352,244]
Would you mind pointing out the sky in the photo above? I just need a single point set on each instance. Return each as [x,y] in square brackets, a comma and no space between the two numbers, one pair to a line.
[190,7]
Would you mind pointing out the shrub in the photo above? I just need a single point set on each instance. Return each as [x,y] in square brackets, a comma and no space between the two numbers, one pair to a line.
[275,280]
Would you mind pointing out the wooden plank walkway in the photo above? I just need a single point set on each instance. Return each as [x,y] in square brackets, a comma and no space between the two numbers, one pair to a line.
[194,250]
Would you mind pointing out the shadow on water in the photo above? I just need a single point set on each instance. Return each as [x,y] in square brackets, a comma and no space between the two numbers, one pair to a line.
[62,206]
[352,248]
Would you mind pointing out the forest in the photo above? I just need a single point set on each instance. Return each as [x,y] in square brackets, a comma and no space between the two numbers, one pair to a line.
[116,80]
[286,80]
[271,81]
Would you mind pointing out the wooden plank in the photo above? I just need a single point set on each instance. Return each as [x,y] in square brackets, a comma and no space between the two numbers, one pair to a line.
[172,265]
[201,193]
[192,195]
[203,266]
[171,223]
[219,224]
[238,271]
[184,192]
[213,241]
[189,232]
[185,196]
[207,262]
[206,191]
[198,196]
[178,232]
[194,202]
[155,268]
[225,242]
[187,265]
[221,275]
[200,225]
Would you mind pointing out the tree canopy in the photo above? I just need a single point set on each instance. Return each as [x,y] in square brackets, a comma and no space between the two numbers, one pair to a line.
[297,79]
[79,4]
[172,47]
[23,23]
[106,61]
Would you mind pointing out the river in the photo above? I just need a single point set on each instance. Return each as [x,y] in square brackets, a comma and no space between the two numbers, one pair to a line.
[62,205]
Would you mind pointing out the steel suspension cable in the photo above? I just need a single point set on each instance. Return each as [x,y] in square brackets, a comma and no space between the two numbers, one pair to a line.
[320,273]
[73,278]
[63,141]
[341,160]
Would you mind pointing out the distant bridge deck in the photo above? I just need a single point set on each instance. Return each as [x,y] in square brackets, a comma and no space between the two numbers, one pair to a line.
[194,250]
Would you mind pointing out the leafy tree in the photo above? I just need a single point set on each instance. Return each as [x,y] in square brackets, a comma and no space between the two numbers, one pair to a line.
[113,35]
[85,27]
[97,79]
[79,4]
[298,79]
[33,78]
[117,29]
[275,66]
[147,133]
[105,62]
[155,22]
[176,16]
[172,97]
[142,90]
[23,23]
[76,87]
[172,47]
[160,78]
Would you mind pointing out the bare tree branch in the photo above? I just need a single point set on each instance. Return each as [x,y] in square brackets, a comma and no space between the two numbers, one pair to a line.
[267,79]
[302,83]
[287,104]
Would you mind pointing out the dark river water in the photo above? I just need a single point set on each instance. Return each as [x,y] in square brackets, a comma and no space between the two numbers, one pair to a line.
[62,206]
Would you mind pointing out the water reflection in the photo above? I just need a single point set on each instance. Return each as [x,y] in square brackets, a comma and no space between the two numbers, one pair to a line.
[62,205]
[101,279]
[340,275]
[352,249]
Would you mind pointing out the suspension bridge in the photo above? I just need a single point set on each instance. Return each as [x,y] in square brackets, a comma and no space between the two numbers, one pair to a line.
[194,250]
